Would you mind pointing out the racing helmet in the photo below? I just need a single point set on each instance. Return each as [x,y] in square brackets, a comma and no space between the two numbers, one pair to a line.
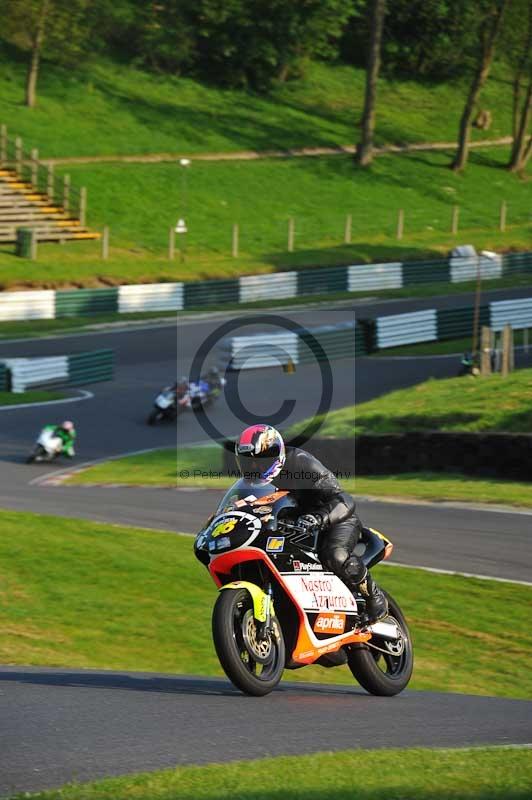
[260,453]
[67,425]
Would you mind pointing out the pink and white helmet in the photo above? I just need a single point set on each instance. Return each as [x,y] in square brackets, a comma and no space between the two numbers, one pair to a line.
[67,425]
[260,453]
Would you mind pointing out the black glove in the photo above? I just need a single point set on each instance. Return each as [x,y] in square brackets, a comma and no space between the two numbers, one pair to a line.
[310,521]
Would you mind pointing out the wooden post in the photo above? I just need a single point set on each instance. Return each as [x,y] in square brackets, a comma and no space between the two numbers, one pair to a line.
[18,155]
[291,232]
[454,221]
[347,229]
[50,183]
[34,167]
[400,223]
[105,243]
[234,247]
[171,244]
[476,312]
[502,216]
[507,348]
[82,205]
[33,245]
[66,192]
[486,350]
[3,144]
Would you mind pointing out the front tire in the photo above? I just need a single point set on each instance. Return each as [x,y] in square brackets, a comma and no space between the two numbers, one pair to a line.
[252,666]
[153,416]
[384,673]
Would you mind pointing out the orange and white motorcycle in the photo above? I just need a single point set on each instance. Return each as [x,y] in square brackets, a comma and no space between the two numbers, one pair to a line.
[279,608]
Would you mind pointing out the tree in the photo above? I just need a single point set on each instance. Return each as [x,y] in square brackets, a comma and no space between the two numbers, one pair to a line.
[489,14]
[377,10]
[43,27]
[517,41]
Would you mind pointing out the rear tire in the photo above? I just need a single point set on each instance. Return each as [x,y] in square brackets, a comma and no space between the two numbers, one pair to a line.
[233,630]
[384,674]
[153,416]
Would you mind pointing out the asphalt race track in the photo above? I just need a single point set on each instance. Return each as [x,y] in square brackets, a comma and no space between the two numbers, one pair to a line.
[89,724]
[77,725]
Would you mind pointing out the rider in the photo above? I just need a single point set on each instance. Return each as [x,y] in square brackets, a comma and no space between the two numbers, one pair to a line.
[67,433]
[262,457]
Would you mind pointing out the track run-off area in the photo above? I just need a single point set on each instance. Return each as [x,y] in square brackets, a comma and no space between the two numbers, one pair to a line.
[80,724]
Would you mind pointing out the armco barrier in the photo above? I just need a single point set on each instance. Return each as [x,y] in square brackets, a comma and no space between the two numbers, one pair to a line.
[85,302]
[253,288]
[90,367]
[21,374]
[330,342]
[4,375]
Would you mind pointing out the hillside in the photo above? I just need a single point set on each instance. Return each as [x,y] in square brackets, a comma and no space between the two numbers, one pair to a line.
[108,108]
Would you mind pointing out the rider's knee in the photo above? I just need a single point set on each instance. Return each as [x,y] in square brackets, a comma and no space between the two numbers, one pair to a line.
[334,557]
[354,569]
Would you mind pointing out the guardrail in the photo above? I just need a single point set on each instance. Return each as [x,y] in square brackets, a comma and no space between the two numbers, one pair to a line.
[326,342]
[57,371]
[350,339]
[257,288]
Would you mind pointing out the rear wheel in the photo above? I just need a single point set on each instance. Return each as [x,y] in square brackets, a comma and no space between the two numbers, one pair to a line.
[253,666]
[153,416]
[384,666]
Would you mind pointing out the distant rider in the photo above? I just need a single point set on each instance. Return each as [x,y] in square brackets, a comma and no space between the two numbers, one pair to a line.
[262,457]
[67,433]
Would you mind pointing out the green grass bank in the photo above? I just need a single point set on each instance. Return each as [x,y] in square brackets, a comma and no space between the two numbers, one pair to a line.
[82,594]
[193,467]
[419,774]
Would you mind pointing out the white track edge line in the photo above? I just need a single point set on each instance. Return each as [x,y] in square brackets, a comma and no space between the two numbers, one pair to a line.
[85,395]
[454,572]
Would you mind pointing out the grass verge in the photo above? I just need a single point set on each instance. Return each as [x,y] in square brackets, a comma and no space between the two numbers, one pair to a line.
[82,594]
[447,347]
[453,404]
[419,774]
[140,202]
[200,467]
[11,399]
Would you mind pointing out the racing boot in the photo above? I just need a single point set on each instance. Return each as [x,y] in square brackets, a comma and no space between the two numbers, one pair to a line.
[376,603]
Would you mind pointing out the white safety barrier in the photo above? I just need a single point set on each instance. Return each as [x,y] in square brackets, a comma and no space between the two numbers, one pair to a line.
[398,329]
[150,297]
[28,372]
[375,276]
[276,286]
[466,268]
[264,350]
[517,313]
[27,305]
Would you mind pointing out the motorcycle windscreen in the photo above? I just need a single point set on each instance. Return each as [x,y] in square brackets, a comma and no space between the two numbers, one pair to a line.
[245,492]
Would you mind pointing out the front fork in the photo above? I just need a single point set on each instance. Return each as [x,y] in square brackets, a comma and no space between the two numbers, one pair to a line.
[265,627]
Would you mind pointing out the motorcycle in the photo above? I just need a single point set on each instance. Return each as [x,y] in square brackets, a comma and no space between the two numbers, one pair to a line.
[279,608]
[167,405]
[47,447]
[468,366]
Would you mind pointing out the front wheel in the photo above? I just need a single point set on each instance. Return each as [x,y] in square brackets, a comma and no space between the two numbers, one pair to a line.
[153,416]
[252,665]
[382,666]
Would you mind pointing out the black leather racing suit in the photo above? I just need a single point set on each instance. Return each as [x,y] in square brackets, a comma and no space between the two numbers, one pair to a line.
[317,491]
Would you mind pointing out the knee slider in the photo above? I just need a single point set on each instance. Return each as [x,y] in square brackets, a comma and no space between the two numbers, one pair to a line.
[354,569]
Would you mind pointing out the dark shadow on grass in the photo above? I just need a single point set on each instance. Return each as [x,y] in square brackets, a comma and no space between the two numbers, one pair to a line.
[347,255]
[376,423]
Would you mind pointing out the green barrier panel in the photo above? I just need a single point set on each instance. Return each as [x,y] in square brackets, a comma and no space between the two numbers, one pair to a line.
[3,378]
[338,341]
[84,302]
[517,264]
[418,272]
[90,367]
[322,280]
[454,323]
[210,293]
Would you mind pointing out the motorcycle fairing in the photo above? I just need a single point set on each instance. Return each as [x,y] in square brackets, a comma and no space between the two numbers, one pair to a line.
[308,648]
